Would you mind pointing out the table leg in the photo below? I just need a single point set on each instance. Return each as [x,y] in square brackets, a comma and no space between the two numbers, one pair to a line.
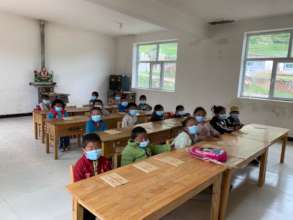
[79,140]
[284,143]
[262,168]
[56,142]
[225,192]
[47,143]
[43,133]
[36,130]
[78,212]
[215,208]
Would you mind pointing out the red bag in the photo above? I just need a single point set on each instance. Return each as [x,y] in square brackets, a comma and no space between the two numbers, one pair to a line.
[211,153]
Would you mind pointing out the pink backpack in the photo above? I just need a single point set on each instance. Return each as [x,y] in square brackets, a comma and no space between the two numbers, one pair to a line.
[210,153]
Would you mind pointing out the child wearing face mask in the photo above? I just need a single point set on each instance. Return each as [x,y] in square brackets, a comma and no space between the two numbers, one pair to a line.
[219,122]
[99,104]
[123,104]
[206,131]
[158,113]
[45,105]
[233,119]
[189,135]
[143,106]
[90,164]
[140,148]
[130,118]
[95,122]
[58,112]
[180,113]
[94,97]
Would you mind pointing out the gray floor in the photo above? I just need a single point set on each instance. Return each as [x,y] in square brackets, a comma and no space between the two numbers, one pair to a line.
[32,184]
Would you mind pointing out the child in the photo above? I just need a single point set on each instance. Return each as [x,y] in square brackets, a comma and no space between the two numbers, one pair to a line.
[158,114]
[206,131]
[219,121]
[123,105]
[90,164]
[139,147]
[180,113]
[130,118]
[95,122]
[143,106]
[45,105]
[94,97]
[58,112]
[99,104]
[189,135]
[233,119]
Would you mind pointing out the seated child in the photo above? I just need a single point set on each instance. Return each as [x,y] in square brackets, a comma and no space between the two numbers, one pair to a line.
[99,104]
[189,135]
[233,119]
[95,122]
[45,105]
[206,131]
[58,112]
[180,113]
[90,164]
[219,121]
[158,113]
[143,106]
[94,97]
[123,104]
[139,147]
[130,118]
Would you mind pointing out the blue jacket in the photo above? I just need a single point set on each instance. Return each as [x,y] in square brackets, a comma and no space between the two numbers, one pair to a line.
[91,126]
[121,108]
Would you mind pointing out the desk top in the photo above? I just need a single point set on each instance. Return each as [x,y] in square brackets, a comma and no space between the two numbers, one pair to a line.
[151,127]
[146,195]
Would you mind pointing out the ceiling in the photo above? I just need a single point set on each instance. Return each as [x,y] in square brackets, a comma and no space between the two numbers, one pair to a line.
[79,13]
[211,10]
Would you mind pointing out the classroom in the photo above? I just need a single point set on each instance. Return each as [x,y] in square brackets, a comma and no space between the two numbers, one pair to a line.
[146,109]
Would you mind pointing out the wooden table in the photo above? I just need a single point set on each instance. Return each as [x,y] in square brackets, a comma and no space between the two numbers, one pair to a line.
[149,195]
[158,132]
[268,134]
[75,126]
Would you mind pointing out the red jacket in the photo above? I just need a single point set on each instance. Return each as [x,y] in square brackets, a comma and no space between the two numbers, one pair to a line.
[84,168]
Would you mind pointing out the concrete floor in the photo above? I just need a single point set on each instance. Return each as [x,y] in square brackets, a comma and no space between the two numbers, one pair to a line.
[32,184]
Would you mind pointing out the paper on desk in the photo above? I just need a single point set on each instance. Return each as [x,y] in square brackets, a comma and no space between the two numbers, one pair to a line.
[112,131]
[171,160]
[145,167]
[114,180]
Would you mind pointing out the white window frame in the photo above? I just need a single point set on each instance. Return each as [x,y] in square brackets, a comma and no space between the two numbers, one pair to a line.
[276,61]
[136,63]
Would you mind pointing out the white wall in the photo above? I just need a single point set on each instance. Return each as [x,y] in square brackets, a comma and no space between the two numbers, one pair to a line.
[81,61]
[208,71]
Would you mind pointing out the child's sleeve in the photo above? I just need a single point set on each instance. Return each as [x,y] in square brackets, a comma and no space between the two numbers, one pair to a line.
[124,122]
[126,157]
[78,172]
[160,148]
[181,142]
[88,127]
[104,126]
[50,116]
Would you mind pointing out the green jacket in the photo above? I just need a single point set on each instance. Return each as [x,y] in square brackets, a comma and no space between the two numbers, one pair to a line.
[132,152]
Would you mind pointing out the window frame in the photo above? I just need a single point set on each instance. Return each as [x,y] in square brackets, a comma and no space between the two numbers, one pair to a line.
[137,61]
[276,61]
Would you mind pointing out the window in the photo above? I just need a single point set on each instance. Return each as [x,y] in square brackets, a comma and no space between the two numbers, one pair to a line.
[155,66]
[267,66]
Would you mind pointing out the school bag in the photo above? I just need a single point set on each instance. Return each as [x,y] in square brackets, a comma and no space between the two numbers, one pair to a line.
[209,152]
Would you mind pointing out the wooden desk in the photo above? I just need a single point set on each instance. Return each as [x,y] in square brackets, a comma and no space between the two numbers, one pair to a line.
[152,195]
[158,132]
[75,126]
[268,134]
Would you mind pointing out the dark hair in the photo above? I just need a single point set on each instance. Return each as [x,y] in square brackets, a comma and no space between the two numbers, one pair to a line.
[45,96]
[91,137]
[95,93]
[96,109]
[136,131]
[186,120]
[98,101]
[58,101]
[179,108]
[199,109]
[142,97]
[217,109]
[158,108]
[131,104]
